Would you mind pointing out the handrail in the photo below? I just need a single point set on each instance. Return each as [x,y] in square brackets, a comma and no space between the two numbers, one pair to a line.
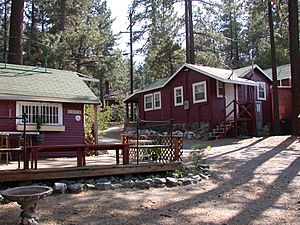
[245,109]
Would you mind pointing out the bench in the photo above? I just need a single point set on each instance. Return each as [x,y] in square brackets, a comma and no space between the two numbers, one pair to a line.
[80,152]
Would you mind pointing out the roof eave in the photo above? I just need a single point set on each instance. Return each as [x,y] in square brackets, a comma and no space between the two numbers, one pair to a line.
[49,99]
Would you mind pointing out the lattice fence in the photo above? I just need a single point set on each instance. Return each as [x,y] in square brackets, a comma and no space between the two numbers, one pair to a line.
[157,148]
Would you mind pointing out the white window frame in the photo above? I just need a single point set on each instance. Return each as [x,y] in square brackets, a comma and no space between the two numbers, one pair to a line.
[194,85]
[53,122]
[145,103]
[159,100]
[181,96]
[218,89]
[264,91]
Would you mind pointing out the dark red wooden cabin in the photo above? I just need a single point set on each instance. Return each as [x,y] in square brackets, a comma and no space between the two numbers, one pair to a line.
[57,97]
[213,97]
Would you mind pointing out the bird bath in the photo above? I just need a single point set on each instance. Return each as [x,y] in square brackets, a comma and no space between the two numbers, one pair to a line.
[27,197]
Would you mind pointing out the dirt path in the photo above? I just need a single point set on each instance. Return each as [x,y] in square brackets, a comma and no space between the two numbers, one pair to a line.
[255,181]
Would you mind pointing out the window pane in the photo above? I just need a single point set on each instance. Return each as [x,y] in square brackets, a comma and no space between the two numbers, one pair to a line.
[200,96]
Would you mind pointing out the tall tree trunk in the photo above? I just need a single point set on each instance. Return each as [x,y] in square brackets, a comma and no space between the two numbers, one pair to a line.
[295,66]
[276,128]
[16,33]
[5,30]
[33,18]
[62,15]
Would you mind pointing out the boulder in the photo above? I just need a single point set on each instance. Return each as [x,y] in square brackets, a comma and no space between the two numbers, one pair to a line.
[76,188]
[60,187]
[141,184]
[104,186]
[171,182]
[128,184]
[158,181]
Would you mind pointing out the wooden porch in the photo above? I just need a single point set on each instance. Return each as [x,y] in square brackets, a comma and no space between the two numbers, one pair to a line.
[89,161]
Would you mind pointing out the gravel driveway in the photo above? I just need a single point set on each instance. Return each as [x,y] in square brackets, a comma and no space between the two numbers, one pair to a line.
[254,181]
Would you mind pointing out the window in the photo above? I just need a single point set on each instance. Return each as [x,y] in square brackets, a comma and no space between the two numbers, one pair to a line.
[49,113]
[157,100]
[178,96]
[199,92]
[220,89]
[261,91]
[148,102]
[152,101]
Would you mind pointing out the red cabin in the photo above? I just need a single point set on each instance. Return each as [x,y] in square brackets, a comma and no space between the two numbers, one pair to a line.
[53,101]
[215,101]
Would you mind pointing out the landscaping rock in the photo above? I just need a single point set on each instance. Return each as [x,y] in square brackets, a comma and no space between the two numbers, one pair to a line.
[171,182]
[128,184]
[60,187]
[196,177]
[76,188]
[102,180]
[185,181]
[90,186]
[150,181]
[104,185]
[141,184]
[204,176]
[159,181]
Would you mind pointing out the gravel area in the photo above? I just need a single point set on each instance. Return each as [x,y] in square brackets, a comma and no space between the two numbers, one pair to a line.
[254,181]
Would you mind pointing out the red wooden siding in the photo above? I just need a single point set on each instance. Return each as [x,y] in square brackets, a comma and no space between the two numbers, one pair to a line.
[285,82]
[7,108]
[266,104]
[285,103]
[74,131]
[211,111]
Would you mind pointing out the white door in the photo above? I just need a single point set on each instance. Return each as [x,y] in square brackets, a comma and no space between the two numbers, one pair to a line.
[229,97]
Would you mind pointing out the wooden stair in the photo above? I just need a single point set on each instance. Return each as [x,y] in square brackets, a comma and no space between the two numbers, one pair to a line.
[221,130]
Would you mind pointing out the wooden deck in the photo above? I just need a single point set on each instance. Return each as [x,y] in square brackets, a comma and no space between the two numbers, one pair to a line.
[66,167]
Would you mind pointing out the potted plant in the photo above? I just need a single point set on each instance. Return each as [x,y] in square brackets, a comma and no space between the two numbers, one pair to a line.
[39,122]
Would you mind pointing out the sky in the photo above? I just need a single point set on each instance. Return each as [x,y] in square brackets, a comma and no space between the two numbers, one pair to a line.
[119,9]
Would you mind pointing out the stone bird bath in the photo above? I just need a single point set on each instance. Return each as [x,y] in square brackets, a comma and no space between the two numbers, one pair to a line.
[27,197]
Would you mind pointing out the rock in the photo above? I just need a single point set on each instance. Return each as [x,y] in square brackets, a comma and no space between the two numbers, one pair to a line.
[102,180]
[204,176]
[171,182]
[104,186]
[128,184]
[90,186]
[142,184]
[158,181]
[60,187]
[150,181]
[1,199]
[76,188]
[185,181]
[113,179]
[196,177]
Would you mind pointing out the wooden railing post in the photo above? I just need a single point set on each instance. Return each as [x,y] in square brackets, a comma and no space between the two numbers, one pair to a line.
[176,148]
[235,118]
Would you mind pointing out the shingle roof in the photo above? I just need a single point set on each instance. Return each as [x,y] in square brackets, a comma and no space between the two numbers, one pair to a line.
[283,72]
[27,82]
[224,75]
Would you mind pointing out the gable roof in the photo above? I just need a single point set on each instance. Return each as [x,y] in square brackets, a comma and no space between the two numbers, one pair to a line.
[283,72]
[224,75]
[19,82]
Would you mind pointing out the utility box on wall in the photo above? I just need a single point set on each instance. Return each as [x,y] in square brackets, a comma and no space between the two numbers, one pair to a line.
[186,105]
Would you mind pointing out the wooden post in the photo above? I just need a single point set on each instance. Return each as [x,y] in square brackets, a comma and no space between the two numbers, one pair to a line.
[96,124]
[235,112]
[176,148]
